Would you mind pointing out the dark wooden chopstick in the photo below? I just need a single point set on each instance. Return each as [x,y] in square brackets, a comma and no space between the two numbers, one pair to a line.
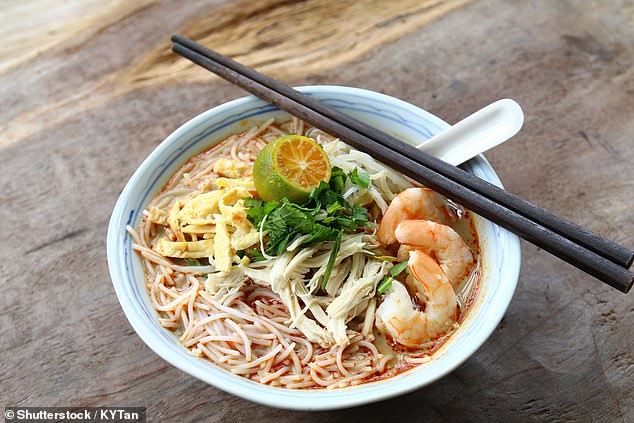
[542,236]
[604,247]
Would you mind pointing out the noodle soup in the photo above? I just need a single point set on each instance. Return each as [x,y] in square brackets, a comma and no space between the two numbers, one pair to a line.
[332,313]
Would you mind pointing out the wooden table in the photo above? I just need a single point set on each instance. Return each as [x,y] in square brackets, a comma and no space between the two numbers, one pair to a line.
[89,88]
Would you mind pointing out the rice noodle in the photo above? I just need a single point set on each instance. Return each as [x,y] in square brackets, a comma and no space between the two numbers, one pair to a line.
[271,325]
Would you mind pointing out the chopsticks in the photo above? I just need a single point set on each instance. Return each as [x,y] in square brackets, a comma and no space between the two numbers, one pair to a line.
[589,252]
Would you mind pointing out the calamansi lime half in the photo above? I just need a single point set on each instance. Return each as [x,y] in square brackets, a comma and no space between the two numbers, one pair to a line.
[290,167]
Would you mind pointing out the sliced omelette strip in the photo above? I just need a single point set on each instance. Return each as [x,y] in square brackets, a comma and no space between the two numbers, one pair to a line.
[191,249]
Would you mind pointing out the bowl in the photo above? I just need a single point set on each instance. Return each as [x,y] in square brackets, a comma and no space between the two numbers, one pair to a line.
[500,249]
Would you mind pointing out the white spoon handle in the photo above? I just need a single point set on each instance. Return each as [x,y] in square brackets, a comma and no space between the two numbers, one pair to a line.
[475,134]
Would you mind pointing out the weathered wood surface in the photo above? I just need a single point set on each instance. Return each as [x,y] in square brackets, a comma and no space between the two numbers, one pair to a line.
[89,89]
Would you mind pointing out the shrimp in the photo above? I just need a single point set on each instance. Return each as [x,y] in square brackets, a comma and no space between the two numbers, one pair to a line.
[397,317]
[440,241]
[413,203]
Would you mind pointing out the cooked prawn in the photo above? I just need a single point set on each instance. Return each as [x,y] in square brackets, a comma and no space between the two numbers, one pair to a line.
[413,203]
[397,317]
[440,241]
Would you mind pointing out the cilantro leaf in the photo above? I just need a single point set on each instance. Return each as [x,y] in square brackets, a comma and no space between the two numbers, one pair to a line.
[321,233]
[337,179]
[360,178]
[253,202]
[325,216]
[258,209]
[322,197]
[360,215]
[255,255]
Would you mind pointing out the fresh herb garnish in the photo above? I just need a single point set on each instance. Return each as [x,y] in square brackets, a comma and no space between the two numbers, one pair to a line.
[360,178]
[323,217]
[254,254]
[386,282]
[191,262]
[397,269]
[331,259]
[337,179]
[384,285]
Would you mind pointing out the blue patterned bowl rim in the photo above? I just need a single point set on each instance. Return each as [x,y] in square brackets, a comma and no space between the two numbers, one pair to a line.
[500,248]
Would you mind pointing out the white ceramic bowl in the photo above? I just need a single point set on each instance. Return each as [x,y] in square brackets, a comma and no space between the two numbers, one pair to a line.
[500,249]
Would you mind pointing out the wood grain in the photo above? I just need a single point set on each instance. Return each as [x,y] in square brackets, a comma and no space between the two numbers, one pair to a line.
[80,115]
[283,38]
[37,26]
